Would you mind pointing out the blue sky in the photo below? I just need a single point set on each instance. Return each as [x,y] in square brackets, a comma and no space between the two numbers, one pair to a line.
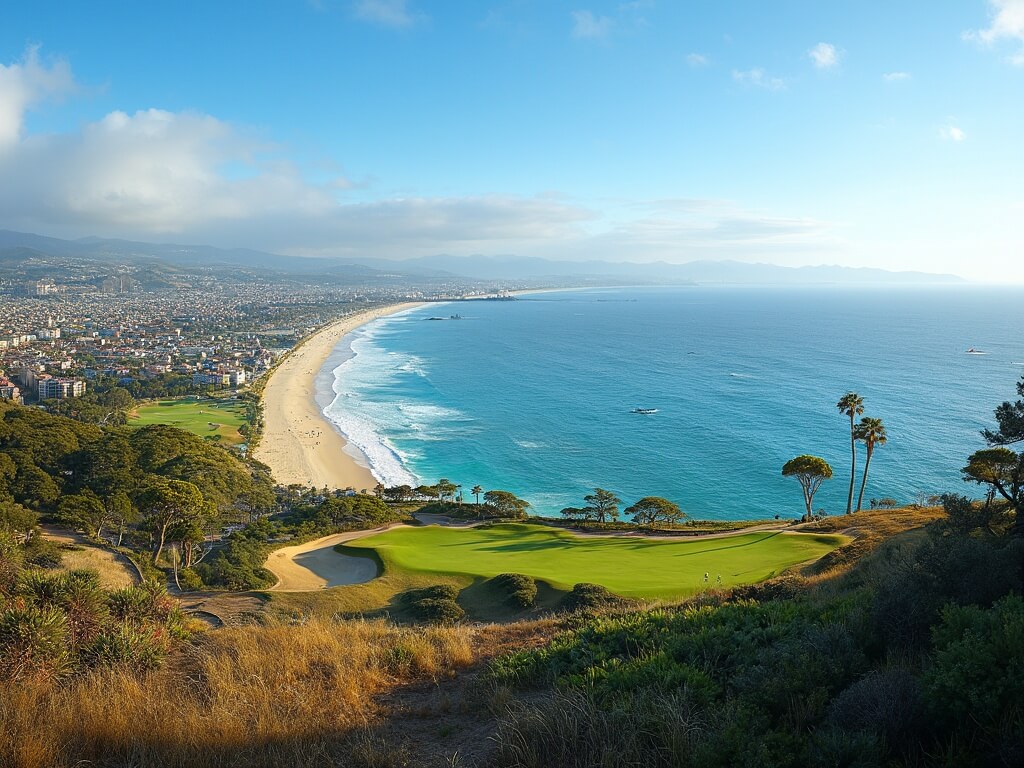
[868,134]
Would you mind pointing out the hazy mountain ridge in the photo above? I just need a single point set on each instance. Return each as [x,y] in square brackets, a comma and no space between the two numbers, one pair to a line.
[21,247]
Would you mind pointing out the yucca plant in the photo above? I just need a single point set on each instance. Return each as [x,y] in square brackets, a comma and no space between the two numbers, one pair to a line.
[40,588]
[133,647]
[33,642]
[85,604]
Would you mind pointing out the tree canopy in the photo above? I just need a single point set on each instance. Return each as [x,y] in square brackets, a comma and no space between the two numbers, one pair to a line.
[655,509]
[1010,417]
[506,504]
[810,472]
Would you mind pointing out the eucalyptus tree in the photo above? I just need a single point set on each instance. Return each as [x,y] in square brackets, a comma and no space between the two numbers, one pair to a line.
[851,404]
[871,432]
[602,505]
[655,509]
[810,472]
[506,504]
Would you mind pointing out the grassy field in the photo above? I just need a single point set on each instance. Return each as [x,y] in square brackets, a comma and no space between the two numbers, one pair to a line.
[209,417]
[630,567]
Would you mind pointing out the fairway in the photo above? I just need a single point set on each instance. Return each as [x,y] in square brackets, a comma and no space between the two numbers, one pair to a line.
[206,418]
[631,567]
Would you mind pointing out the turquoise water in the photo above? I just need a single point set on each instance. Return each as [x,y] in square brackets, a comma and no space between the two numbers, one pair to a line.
[534,395]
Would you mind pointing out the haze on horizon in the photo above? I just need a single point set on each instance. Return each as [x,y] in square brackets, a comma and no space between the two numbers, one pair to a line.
[792,133]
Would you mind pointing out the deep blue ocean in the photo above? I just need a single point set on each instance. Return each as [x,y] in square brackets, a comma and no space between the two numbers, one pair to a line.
[534,395]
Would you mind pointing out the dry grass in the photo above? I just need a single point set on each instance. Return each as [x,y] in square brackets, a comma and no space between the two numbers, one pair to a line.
[277,695]
[869,529]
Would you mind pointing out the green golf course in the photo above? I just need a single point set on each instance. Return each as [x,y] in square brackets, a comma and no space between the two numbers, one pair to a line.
[209,417]
[628,566]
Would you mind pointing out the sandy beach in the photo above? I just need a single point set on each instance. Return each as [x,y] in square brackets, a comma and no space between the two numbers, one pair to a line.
[299,444]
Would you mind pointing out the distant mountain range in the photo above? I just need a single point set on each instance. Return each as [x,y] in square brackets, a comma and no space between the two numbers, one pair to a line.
[16,247]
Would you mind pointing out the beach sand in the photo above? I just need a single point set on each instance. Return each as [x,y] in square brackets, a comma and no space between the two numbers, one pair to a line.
[299,444]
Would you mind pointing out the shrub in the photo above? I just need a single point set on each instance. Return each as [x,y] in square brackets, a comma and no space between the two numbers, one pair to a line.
[436,592]
[434,604]
[884,703]
[520,591]
[438,611]
[590,597]
[33,641]
[189,580]
[42,553]
[978,671]
[135,648]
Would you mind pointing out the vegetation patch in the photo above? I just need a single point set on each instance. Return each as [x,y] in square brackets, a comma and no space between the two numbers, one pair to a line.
[434,605]
[519,590]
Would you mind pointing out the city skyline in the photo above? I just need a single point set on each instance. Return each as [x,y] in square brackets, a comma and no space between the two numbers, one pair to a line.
[630,131]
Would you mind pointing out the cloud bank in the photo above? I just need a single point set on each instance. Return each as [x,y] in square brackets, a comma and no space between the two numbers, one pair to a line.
[153,174]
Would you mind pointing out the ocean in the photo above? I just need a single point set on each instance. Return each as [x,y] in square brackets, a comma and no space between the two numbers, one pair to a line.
[535,395]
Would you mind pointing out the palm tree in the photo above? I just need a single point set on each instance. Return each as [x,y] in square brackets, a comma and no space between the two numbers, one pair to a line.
[477,490]
[872,433]
[851,404]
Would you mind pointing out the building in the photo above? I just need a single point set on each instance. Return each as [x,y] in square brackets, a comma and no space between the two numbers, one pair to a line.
[9,390]
[60,389]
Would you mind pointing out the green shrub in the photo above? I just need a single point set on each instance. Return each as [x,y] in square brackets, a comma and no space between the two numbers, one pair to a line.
[438,611]
[43,553]
[33,641]
[884,703]
[435,604]
[978,671]
[520,591]
[132,647]
[436,592]
[189,580]
[590,597]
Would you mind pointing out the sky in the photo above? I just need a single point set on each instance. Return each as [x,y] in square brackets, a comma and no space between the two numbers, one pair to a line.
[878,133]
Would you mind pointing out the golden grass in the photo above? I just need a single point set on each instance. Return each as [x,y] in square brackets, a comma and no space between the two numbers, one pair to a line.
[274,695]
[869,529]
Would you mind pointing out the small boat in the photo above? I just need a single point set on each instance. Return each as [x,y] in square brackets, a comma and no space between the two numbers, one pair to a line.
[645,411]
[973,351]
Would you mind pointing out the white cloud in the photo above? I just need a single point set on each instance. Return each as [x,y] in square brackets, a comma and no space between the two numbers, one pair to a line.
[758,77]
[190,177]
[952,133]
[25,83]
[895,77]
[697,60]
[587,26]
[824,55]
[387,13]
[1007,23]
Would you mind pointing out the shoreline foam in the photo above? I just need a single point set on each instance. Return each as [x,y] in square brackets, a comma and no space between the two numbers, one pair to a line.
[300,443]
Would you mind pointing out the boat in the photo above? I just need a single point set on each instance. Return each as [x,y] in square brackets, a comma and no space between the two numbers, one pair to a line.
[973,351]
[645,411]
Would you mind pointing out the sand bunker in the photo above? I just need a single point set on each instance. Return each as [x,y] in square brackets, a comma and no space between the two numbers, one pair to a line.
[315,565]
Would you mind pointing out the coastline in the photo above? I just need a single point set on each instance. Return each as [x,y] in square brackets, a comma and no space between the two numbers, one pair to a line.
[299,443]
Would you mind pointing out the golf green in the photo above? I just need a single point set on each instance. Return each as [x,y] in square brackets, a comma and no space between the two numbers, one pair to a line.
[628,566]
[206,418]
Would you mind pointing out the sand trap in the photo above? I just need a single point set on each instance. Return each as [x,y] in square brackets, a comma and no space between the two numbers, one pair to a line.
[315,565]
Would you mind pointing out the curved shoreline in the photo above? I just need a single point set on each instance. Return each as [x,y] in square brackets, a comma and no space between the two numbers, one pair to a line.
[299,443]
